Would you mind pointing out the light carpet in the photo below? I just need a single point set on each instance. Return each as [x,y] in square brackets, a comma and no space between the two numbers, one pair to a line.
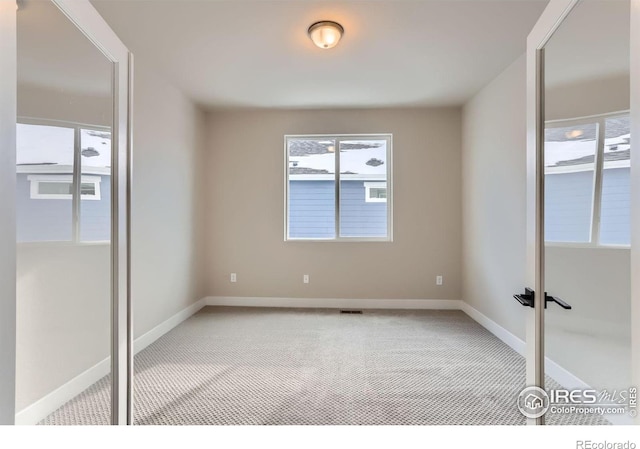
[227,366]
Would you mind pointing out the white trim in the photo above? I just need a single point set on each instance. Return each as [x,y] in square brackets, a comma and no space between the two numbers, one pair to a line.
[589,245]
[43,407]
[343,177]
[555,170]
[151,336]
[335,303]
[564,377]
[35,181]
[65,169]
[374,185]
[337,176]
[504,335]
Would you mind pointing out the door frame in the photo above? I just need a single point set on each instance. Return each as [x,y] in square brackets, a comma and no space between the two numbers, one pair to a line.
[87,19]
[8,104]
[551,18]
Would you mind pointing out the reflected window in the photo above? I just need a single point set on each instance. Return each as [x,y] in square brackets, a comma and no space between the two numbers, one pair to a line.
[46,158]
[588,181]
[569,179]
[338,187]
[615,209]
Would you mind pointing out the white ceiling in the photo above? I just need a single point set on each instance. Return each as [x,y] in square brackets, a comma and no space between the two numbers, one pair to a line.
[244,53]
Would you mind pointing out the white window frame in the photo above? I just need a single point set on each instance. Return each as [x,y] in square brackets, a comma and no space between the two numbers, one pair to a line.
[35,181]
[338,138]
[374,185]
[596,205]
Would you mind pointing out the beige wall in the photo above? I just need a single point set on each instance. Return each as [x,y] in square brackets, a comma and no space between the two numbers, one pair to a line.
[494,186]
[245,209]
[39,103]
[167,217]
[593,339]
[63,291]
[63,315]
[589,97]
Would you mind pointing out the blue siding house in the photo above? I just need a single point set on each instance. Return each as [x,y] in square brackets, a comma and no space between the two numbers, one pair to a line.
[312,210]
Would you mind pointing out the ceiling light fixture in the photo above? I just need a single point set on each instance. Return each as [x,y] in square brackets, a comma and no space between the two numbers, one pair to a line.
[574,133]
[326,34]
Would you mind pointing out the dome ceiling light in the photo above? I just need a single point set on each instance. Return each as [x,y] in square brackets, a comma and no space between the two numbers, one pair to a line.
[326,34]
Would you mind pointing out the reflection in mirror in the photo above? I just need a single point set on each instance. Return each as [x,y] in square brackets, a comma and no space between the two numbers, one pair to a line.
[587,192]
[63,171]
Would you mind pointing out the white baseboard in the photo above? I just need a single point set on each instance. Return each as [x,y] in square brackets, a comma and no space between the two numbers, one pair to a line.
[43,407]
[507,337]
[555,371]
[335,303]
[149,337]
[46,405]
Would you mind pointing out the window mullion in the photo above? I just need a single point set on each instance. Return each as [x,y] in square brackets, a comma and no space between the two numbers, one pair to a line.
[337,187]
[76,186]
[598,175]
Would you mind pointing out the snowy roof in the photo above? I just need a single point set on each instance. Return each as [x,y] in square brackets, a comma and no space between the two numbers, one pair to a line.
[357,157]
[39,145]
[615,127]
[562,149]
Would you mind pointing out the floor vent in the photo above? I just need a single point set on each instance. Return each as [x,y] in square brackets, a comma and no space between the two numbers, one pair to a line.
[351,311]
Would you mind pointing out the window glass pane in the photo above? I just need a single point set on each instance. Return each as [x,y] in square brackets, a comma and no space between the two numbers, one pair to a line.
[95,204]
[569,181]
[615,217]
[43,150]
[362,162]
[312,194]
[55,188]
[378,193]
[88,189]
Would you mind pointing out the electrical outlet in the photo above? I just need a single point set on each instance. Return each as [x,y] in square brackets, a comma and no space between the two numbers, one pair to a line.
[305,278]
[438,280]
[234,278]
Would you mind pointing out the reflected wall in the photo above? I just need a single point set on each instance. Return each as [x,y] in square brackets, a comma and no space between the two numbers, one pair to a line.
[63,217]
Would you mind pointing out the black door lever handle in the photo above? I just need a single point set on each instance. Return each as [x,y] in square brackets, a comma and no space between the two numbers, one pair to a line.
[557,300]
[525,299]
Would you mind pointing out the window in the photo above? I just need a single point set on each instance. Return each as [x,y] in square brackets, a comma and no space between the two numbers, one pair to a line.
[338,187]
[375,192]
[60,187]
[50,156]
[587,181]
